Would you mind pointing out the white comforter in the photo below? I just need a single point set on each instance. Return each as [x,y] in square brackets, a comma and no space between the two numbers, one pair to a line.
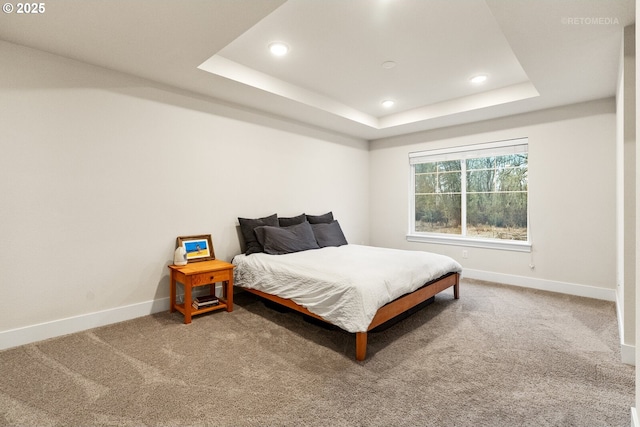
[344,285]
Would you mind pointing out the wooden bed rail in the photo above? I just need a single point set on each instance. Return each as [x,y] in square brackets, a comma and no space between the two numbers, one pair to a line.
[386,312]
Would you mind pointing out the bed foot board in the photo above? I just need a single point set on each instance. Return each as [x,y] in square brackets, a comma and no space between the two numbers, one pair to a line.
[403,304]
[361,345]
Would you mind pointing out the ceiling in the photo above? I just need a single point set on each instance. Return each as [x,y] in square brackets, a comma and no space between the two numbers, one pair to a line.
[536,53]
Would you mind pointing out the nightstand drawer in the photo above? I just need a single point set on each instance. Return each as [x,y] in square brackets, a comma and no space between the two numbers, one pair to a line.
[211,277]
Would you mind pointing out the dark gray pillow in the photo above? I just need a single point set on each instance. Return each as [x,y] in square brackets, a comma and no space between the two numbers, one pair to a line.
[286,240]
[320,219]
[329,234]
[287,222]
[247,226]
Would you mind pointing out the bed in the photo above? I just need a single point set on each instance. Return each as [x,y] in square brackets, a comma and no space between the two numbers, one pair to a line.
[312,269]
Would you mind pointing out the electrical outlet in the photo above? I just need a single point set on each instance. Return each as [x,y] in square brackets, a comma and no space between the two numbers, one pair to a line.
[465,254]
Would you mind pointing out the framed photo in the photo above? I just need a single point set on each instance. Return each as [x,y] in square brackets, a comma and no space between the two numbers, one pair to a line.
[198,248]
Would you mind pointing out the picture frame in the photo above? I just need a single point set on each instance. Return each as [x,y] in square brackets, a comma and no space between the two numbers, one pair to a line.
[198,248]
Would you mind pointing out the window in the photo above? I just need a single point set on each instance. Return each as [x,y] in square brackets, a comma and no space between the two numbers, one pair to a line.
[475,195]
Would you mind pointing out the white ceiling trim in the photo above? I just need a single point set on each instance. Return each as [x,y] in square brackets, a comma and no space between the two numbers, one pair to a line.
[237,72]
[226,68]
[477,101]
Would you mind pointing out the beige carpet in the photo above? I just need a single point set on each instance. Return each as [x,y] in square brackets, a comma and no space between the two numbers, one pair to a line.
[499,356]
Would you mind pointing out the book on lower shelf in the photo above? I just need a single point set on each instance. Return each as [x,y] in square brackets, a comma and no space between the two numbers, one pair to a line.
[205,301]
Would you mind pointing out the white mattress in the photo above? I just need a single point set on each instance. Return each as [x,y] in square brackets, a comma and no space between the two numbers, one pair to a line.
[344,285]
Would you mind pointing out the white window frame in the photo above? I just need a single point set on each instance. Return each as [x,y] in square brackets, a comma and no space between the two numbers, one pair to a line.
[497,148]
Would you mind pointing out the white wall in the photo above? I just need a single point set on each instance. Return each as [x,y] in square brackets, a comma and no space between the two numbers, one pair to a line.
[626,195]
[572,182]
[634,412]
[101,171]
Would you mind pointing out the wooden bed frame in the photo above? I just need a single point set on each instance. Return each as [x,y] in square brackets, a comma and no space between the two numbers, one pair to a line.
[386,312]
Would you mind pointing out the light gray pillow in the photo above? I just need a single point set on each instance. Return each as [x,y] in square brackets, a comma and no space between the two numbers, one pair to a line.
[286,240]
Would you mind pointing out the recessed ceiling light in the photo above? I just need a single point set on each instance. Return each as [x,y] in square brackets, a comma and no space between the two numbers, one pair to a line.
[387,65]
[278,48]
[388,103]
[480,78]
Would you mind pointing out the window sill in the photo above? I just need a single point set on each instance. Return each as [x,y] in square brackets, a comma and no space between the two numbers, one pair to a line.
[506,245]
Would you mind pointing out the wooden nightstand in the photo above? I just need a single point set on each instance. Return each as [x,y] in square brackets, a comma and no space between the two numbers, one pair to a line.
[201,274]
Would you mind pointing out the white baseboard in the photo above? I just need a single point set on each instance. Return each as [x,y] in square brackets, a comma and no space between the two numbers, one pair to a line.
[542,284]
[627,352]
[634,418]
[42,331]
[55,328]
